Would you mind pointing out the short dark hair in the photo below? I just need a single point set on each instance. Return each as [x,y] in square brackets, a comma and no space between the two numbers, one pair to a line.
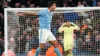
[51,3]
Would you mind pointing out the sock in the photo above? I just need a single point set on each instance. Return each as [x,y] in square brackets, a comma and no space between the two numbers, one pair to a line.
[57,52]
[69,54]
[37,51]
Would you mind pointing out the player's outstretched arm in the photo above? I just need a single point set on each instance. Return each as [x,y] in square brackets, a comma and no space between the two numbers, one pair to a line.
[26,13]
[30,13]
[61,29]
[75,26]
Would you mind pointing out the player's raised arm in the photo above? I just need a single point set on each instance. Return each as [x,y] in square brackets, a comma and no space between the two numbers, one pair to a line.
[75,26]
[26,13]
[30,13]
[61,29]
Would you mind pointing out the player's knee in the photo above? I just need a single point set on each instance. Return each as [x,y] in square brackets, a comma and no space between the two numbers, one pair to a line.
[69,51]
[66,52]
[56,45]
[42,46]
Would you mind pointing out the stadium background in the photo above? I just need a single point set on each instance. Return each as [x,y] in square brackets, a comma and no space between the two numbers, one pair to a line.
[43,3]
[23,32]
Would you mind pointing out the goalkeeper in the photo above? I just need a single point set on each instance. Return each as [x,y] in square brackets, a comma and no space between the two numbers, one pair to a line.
[68,29]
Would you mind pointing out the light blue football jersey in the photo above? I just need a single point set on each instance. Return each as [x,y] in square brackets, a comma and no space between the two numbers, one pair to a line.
[45,18]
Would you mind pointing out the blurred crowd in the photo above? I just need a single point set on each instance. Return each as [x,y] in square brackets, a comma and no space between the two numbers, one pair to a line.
[44,3]
[1,32]
[22,35]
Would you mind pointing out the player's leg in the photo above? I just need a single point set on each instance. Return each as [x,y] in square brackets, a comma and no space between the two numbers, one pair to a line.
[68,49]
[68,52]
[41,46]
[42,40]
[54,42]
[68,46]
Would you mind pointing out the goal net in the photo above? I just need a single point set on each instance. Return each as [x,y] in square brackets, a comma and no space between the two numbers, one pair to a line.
[21,32]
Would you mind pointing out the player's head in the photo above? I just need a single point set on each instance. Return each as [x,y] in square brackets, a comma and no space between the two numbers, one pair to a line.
[67,23]
[52,5]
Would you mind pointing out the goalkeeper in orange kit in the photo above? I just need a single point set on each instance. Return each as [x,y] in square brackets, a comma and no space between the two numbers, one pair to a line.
[68,29]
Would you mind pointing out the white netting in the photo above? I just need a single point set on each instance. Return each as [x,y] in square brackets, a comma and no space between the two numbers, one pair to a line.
[23,30]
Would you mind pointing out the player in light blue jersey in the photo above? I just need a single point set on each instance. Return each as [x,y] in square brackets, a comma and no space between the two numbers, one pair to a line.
[45,34]
[45,18]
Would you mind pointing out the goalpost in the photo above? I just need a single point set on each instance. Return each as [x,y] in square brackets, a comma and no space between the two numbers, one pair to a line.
[21,33]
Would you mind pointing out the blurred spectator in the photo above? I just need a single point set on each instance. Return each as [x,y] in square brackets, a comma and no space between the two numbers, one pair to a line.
[94,2]
[70,3]
[65,4]
[60,3]
[1,46]
[31,52]
[98,3]
[23,6]
[6,3]
[97,45]
[91,15]
[32,5]
[12,44]
[9,53]
[33,43]
[80,4]
[2,24]
[51,52]
[94,34]
[90,2]
[17,5]
[87,44]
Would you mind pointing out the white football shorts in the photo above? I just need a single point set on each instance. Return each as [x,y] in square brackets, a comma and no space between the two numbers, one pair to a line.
[45,36]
